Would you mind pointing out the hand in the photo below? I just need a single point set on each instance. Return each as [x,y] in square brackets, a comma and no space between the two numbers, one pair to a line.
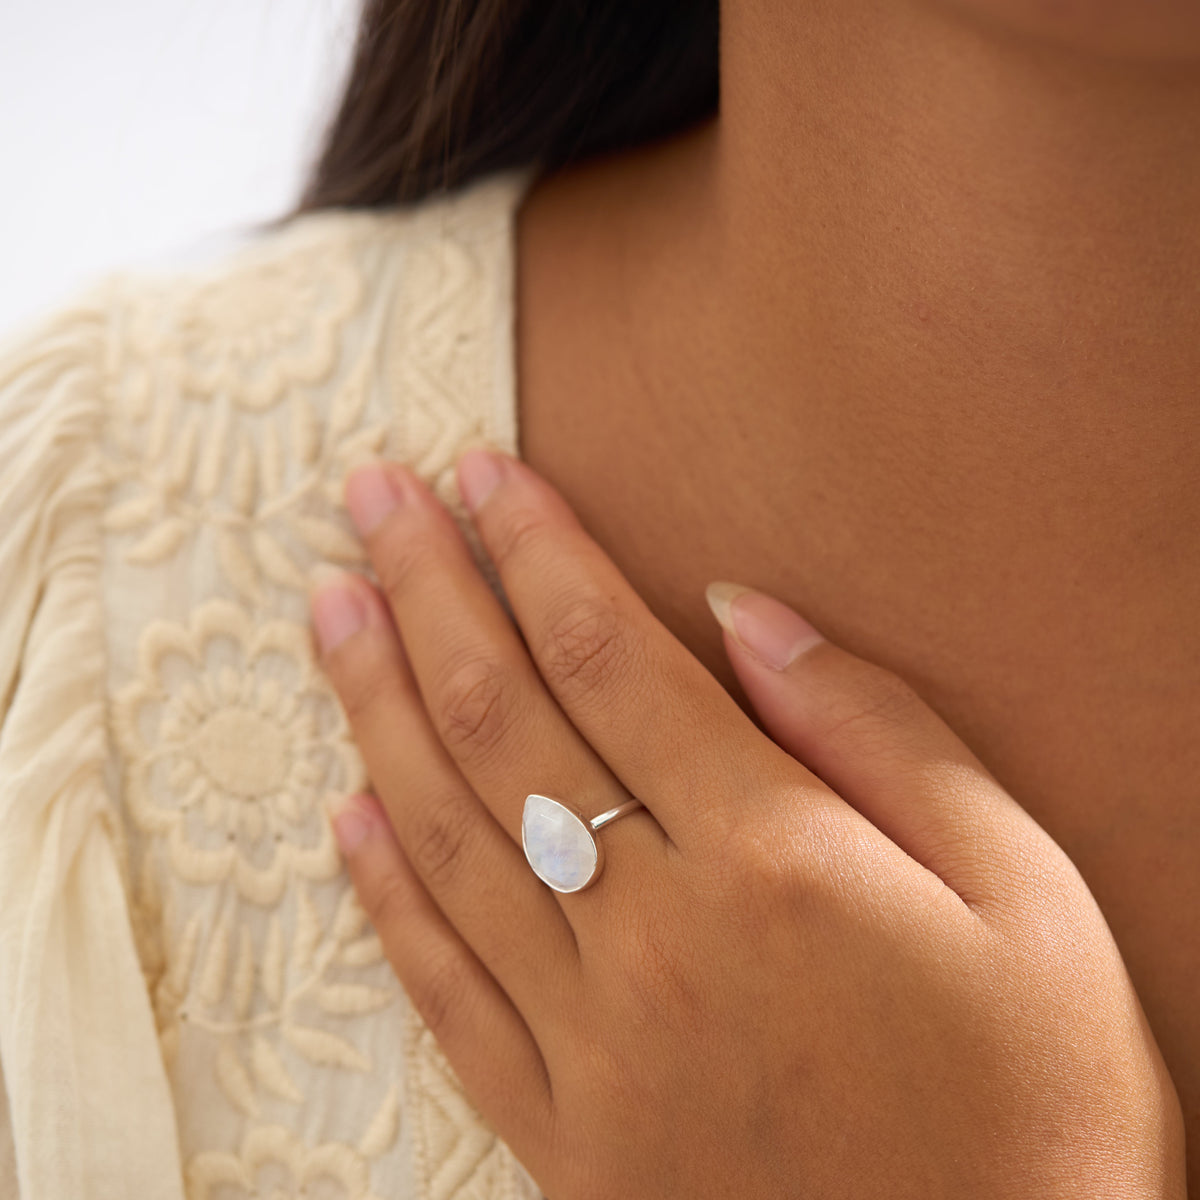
[840,963]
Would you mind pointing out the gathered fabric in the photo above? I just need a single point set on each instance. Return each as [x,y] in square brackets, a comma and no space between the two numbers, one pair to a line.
[192,1003]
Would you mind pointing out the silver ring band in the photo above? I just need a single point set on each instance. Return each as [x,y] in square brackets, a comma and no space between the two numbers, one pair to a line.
[613,813]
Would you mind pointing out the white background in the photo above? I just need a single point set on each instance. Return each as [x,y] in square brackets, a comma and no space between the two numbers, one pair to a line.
[150,131]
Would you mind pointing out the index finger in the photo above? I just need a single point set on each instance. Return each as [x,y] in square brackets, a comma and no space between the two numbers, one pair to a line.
[655,714]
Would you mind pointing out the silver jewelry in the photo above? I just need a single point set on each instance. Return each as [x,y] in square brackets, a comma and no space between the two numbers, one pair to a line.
[559,841]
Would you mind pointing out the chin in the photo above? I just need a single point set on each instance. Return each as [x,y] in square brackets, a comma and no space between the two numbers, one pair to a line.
[1146,30]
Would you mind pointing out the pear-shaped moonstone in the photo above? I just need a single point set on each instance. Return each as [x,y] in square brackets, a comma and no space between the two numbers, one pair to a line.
[559,846]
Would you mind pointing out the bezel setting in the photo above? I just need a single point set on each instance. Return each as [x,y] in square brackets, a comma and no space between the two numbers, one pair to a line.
[560,844]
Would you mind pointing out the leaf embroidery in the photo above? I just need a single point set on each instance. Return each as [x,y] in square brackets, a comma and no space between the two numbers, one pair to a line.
[162,540]
[272,963]
[162,423]
[352,998]
[235,1081]
[212,456]
[238,566]
[179,968]
[366,443]
[380,1134]
[243,975]
[135,511]
[349,918]
[244,486]
[276,565]
[350,401]
[212,977]
[363,952]
[179,467]
[308,930]
[271,461]
[325,1048]
[329,540]
[271,1073]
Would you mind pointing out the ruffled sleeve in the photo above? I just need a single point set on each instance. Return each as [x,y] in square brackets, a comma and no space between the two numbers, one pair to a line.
[89,1102]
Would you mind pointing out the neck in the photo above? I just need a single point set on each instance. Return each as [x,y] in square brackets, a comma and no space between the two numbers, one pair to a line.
[982,249]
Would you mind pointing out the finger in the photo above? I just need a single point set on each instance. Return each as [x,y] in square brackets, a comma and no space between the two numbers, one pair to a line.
[471,867]
[869,735]
[482,1035]
[653,713]
[483,695]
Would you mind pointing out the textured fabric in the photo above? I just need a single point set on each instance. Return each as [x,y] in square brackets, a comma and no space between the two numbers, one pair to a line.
[191,1003]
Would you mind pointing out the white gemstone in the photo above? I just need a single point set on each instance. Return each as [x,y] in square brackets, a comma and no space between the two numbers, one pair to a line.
[559,846]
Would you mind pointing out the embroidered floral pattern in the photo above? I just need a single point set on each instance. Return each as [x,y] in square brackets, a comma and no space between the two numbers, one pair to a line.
[260,996]
[274,1164]
[459,1155]
[237,402]
[261,485]
[253,343]
[233,740]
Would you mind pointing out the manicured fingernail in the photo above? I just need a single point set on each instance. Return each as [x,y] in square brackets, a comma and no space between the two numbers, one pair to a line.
[351,824]
[479,472]
[337,609]
[372,492]
[771,631]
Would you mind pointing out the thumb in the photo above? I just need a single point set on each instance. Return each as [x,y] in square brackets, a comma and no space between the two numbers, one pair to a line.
[868,735]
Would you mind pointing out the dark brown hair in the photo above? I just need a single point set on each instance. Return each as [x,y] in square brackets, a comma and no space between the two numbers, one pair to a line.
[443,91]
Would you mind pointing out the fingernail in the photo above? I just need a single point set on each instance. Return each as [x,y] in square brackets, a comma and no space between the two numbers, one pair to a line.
[351,824]
[337,608]
[772,632]
[479,472]
[372,492]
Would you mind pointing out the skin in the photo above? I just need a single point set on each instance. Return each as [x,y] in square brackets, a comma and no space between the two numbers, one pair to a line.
[907,338]
[844,981]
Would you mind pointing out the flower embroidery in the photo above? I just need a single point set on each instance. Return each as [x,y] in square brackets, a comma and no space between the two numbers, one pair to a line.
[232,740]
[237,408]
[458,1154]
[267,488]
[253,334]
[273,1164]
[237,401]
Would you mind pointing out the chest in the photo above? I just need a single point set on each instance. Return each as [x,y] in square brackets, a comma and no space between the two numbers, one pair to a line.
[1082,696]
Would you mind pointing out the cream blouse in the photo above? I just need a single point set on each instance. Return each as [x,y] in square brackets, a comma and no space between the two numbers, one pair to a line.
[191,1003]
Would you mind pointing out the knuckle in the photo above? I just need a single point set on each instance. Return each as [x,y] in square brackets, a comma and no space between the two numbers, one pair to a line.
[385,905]
[519,537]
[878,704]
[475,708]
[365,690]
[440,846]
[442,989]
[583,646]
[766,863]
[397,560]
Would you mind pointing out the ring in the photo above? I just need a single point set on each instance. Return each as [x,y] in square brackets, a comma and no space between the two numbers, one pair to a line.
[559,841]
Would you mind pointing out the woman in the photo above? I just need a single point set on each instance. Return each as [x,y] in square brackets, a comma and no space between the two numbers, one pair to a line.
[902,337]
